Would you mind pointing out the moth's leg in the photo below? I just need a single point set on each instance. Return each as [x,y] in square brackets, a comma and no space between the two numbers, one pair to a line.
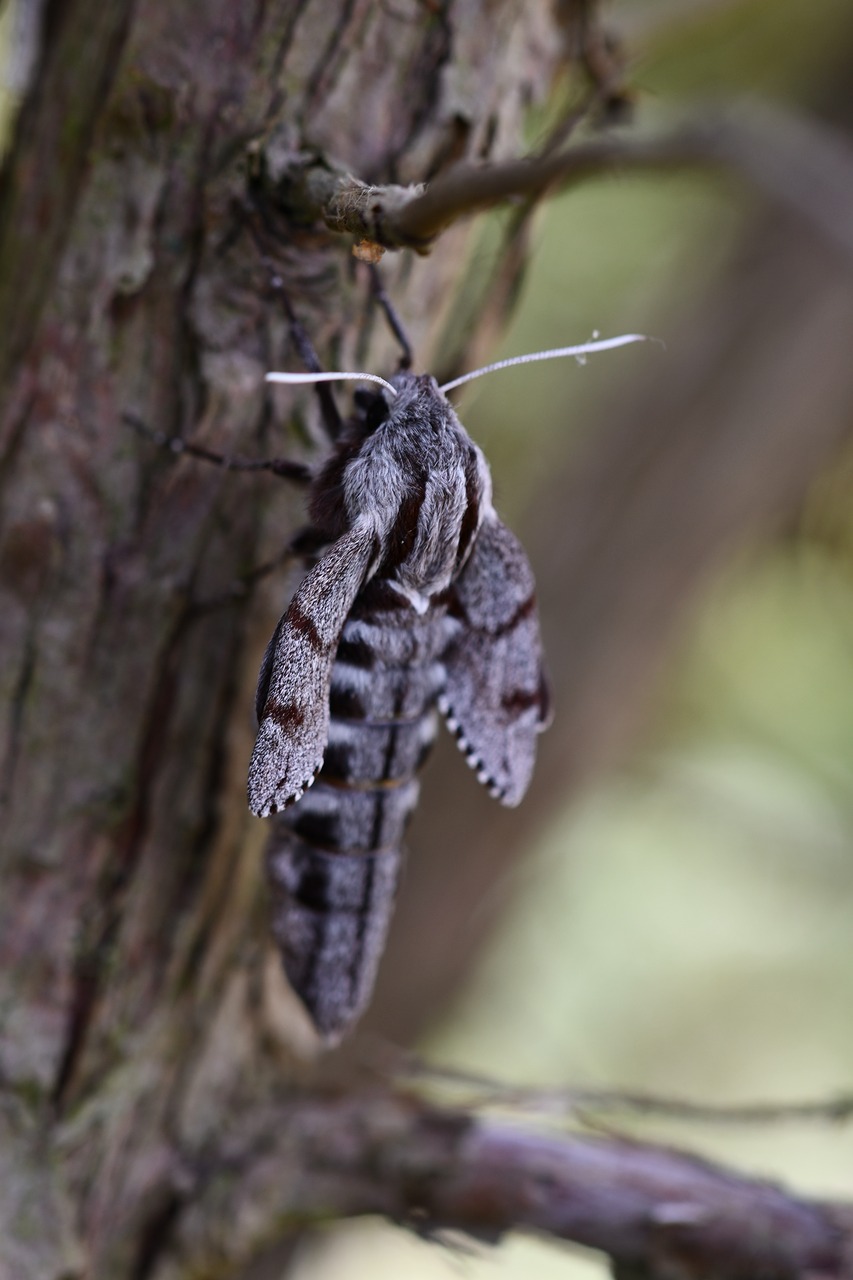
[332,420]
[394,322]
[297,472]
[307,544]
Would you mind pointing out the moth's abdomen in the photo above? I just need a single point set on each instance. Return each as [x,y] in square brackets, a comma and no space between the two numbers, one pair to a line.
[334,858]
[331,913]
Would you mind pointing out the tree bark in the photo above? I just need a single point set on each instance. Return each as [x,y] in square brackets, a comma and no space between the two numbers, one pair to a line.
[140,1000]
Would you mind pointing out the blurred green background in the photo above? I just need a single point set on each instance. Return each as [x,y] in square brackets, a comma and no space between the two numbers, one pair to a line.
[683,927]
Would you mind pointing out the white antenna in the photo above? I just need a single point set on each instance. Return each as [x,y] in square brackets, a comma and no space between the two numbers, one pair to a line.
[330,377]
[579,352]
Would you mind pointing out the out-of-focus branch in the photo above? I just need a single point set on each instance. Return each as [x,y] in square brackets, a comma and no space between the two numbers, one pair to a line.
[647,1207]
[794,161]
[473,1091]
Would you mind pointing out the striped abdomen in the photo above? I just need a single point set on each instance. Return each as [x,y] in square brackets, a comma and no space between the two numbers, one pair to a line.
[334,857]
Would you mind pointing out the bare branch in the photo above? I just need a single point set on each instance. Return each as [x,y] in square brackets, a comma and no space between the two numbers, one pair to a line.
[662,1210]
[795,161]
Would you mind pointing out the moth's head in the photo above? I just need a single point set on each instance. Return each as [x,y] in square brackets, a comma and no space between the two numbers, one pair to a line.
[404,392]
[371,409]
[418,390]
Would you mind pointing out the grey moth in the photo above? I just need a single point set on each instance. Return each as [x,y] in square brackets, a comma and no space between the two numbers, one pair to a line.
[419,603]
[422,600]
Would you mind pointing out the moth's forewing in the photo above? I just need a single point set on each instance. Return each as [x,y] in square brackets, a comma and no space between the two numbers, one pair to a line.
[296,671]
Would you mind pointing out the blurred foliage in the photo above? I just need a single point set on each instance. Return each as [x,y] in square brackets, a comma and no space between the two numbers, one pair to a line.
[684,929]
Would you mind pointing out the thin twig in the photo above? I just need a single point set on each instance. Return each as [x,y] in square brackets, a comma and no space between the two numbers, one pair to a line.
[482,1091]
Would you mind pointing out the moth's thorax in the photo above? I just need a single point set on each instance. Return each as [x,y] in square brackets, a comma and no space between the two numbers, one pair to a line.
[422,485]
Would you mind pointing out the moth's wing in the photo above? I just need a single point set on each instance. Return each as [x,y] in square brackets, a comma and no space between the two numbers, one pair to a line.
[293,686]
[496,698]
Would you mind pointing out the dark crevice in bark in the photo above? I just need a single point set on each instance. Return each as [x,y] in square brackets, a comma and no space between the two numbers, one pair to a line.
[16,713]
[85,984]
[16,433]
[189,368]
[156,1236]
[326,66]
[26,556]
[279,96]
[433,56]
[102,923]
[191,880]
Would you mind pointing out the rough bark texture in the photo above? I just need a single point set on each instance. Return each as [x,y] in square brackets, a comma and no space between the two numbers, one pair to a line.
[140,1002]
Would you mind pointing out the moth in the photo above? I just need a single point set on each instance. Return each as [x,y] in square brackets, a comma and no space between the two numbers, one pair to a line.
[418,602]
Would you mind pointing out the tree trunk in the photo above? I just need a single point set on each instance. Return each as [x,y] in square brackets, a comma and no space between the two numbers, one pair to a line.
[161,1111]
[142,1007]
